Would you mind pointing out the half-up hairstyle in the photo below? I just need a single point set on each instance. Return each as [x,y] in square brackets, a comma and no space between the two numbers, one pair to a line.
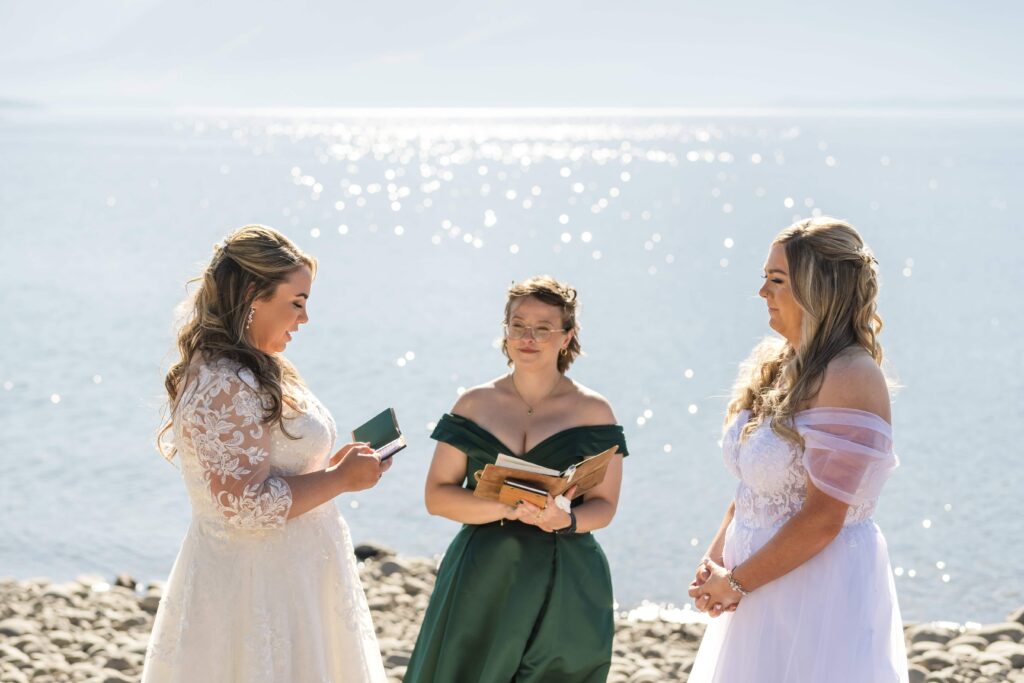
[248,265]
[834,279]
[550,291]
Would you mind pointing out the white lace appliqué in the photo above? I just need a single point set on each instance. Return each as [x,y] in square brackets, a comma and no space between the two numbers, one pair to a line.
[223,419]
[773,472]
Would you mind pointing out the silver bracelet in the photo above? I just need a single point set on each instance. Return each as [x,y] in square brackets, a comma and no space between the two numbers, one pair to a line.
[736,586]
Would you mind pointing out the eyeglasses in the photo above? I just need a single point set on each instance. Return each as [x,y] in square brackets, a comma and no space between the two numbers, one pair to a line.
[540,333]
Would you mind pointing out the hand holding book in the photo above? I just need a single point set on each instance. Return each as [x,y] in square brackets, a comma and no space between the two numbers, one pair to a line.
[382,433]
[511,479]
[552,517]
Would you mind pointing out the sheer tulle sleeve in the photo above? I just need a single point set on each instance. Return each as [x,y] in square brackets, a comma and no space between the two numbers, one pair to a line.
[847,453]
[223,420]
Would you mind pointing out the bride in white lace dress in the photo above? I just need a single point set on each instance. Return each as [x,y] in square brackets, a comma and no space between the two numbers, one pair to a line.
[797,578]
[265,587]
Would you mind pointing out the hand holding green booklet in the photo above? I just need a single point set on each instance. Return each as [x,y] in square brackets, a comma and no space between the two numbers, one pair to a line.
[382,433]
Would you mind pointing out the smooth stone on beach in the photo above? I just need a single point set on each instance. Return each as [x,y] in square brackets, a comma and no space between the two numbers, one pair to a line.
[389,567]
[367,551]
[116,677]
[922,646]
[89,580]
[130,623]
[971,639]
[66,591]
[397,659]
[943,676]
[17,627]
[118,664]
[61,639]
[12,654]
[1017,615]
[918,674]
[963,650]
[935,660]
[150,602]
[1011,631]
[125,581]
[1014,652]
[935,633]
[647,675]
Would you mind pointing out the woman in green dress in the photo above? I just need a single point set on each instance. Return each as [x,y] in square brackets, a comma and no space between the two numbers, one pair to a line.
[523,594]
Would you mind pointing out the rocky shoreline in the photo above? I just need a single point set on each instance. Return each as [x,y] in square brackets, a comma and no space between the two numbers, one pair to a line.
[94,631]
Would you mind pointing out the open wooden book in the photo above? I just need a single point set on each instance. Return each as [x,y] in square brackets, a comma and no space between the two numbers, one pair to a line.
[512,479]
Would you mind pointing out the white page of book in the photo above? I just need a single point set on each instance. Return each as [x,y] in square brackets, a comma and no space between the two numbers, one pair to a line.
[515,463]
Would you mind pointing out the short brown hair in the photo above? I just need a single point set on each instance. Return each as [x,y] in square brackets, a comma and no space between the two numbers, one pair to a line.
[550,291]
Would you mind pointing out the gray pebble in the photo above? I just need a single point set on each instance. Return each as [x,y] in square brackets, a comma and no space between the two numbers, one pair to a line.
[17,627]
[1014,652]
[1006,631]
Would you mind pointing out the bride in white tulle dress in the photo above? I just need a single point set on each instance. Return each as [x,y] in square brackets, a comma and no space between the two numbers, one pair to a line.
[797,579]
[265,587]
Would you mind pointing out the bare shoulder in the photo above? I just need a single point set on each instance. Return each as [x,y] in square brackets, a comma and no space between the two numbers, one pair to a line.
[476,400]
[594,409]
[854,380]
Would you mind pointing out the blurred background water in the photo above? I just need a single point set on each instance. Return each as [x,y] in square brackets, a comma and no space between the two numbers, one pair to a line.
[420,221]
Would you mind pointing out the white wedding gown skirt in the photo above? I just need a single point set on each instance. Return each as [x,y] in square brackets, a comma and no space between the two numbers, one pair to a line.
[835,618]
[288,608]
[255,597]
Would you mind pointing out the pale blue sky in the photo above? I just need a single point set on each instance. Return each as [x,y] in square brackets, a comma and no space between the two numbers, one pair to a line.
[510,53]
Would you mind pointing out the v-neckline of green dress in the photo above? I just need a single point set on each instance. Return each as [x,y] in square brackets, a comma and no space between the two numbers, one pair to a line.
[503,448]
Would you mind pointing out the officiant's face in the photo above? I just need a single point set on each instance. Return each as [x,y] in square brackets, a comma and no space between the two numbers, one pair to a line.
[784,313]
[276,319]
[543,320]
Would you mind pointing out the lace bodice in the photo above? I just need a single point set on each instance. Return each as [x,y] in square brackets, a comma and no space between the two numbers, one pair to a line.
[232,463]
[848,455]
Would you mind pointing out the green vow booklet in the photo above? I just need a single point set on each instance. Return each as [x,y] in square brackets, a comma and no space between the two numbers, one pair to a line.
[382,433]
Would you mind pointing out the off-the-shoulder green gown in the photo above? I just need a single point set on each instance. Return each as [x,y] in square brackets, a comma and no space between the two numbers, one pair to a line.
[512,602]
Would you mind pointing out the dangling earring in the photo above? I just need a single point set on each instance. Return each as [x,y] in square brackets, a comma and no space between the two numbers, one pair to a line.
[248,319]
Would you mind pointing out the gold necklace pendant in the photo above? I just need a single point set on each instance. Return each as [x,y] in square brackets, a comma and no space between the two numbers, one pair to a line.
[529,408]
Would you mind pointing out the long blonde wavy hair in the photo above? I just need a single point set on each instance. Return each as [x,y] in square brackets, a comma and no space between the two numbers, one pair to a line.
[834,279]
[248,265]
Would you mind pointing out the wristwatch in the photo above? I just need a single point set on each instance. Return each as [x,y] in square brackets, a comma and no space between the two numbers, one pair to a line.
[571,529]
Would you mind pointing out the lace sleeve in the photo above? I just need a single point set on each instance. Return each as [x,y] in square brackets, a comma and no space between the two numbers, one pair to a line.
[847,453]
[224,421]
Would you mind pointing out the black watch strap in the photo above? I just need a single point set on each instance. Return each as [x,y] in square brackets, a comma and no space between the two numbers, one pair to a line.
[571,529]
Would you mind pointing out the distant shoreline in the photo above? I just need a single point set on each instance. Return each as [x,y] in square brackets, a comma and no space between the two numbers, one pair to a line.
[953,112]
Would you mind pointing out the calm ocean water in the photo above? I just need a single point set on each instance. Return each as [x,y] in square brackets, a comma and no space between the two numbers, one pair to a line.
[421,221]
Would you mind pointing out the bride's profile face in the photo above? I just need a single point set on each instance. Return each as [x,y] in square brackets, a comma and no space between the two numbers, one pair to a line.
[274,320]
[784,313]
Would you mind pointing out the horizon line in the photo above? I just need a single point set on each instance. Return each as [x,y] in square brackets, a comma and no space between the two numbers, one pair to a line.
[516,111]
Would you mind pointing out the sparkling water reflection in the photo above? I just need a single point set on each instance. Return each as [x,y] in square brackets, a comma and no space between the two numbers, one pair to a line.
[420,222]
